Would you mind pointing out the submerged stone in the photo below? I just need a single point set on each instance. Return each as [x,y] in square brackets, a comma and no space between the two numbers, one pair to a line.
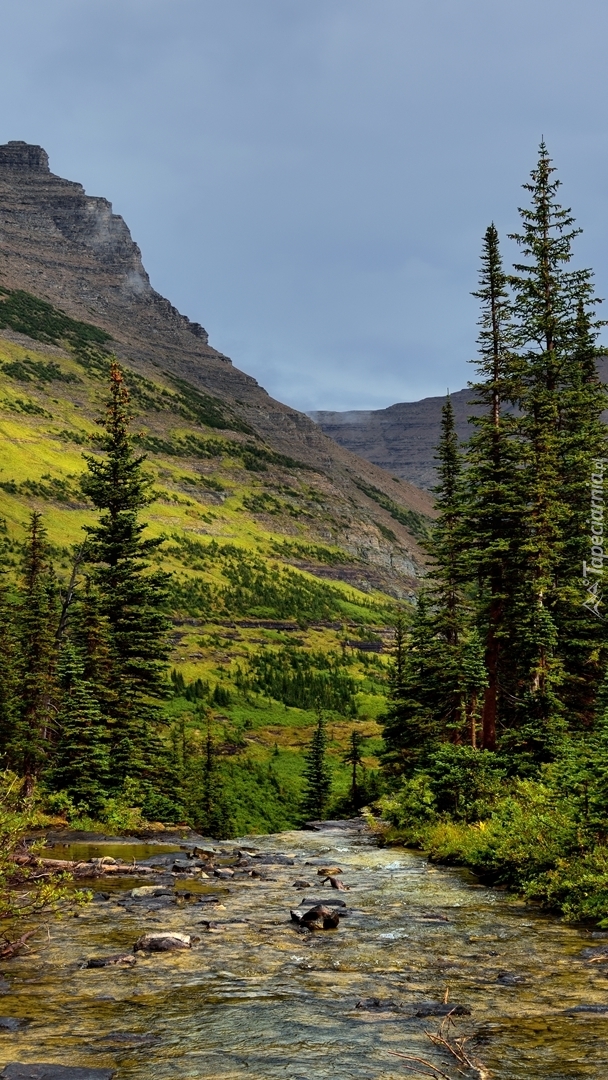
[15,1070]
[166,942]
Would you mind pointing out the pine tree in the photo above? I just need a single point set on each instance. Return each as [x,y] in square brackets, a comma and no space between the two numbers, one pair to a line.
[353,757]
[548,302]
[131,596]
[494,496]
[80,760]
[10,681]
[37,625]
[317,775]
[412,722]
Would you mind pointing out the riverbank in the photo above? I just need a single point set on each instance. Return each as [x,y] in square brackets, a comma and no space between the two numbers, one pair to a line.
[254,994]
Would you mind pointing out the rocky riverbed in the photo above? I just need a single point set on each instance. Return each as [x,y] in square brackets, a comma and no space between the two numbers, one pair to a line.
[206,964]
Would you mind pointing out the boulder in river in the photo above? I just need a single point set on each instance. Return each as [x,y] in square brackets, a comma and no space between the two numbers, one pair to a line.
[167,942]
[117,960]
[11,1023]
[302,884]
[329,902]
[225,872]
[328,871]
[145,891]
[383,1004]
[318,918]
[15,1070]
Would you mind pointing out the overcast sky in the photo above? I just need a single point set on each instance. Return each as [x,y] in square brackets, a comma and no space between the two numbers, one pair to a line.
[310,179]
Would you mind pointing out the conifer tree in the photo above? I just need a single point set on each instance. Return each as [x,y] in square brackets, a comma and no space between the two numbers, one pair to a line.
[317,775]
[80,759]
[353,757]
[10,681]
[549,298]
[37,623]
[131,596]
[494,496]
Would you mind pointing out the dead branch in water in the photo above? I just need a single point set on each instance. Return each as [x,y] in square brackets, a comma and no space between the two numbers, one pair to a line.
[11,948]
[453,1045]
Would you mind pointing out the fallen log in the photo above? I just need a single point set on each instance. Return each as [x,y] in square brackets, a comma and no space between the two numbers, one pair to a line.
[11,948]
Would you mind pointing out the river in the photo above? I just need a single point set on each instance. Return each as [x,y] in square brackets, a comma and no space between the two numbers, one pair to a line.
[258,998]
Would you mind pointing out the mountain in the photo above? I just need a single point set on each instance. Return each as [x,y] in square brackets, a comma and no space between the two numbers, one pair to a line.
[286,550]
[402,438]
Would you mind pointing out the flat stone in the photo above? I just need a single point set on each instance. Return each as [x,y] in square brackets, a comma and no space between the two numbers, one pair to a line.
[588,1009]
[18,1071]
[11,1023]
[167,942]
[301,885]
[326,901]
[145,891]
[226,872]
[117,960]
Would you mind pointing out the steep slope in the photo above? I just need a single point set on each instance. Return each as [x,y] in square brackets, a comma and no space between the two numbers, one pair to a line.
[286,551]
[68,248]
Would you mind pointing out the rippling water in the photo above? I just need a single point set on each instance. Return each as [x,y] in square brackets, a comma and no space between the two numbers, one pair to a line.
[258,999]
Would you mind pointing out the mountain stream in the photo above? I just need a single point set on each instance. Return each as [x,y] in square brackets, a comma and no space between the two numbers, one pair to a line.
[261,998]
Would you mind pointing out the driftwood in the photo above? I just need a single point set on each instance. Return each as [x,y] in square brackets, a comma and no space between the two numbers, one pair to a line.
[11,948]
[93,868]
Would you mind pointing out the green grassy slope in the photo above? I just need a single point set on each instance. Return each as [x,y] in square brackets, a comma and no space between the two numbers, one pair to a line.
[267,614]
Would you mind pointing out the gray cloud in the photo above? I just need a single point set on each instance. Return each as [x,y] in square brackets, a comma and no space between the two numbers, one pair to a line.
[310,179]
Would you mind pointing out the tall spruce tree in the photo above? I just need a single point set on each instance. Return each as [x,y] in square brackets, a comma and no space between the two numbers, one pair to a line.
[353,757]
[494,494]
[317,775]
[36,629]
[549,298]
[131,596]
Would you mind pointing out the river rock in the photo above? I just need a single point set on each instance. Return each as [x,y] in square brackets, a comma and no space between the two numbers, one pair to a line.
[318,918]
[588,1009]
[385,1005]
[11,1023]
[166,942]
[225,873]
[328,871]
[308,901]
[302,885]
[117,960]
[441,1008]
[145,891]
[16,1071]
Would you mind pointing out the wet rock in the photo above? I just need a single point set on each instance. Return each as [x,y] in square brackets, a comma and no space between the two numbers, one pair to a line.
[508,978]
[11,1023]
[328,871]
[302,885]
[308,901]
[589,1009]
[440,1008]
[117,960]
[17,1071]
[146,891]
[434,916]
[165,942]
[385,1005]
[4,985]
[212,927]
[101,897]
[225,872]
[596,955]
[318,918]
[336,884]
[182,865]
[210,899]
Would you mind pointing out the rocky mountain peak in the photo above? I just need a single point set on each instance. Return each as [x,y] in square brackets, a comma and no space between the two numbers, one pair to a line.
[24,157]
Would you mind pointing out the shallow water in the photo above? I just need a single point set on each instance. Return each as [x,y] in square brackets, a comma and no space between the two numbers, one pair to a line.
[258,999]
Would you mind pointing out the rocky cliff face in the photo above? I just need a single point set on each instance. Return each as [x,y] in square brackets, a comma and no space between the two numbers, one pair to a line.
[69,248]
[402,438]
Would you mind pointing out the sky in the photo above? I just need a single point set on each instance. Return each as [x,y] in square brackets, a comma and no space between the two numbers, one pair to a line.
[311,179]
